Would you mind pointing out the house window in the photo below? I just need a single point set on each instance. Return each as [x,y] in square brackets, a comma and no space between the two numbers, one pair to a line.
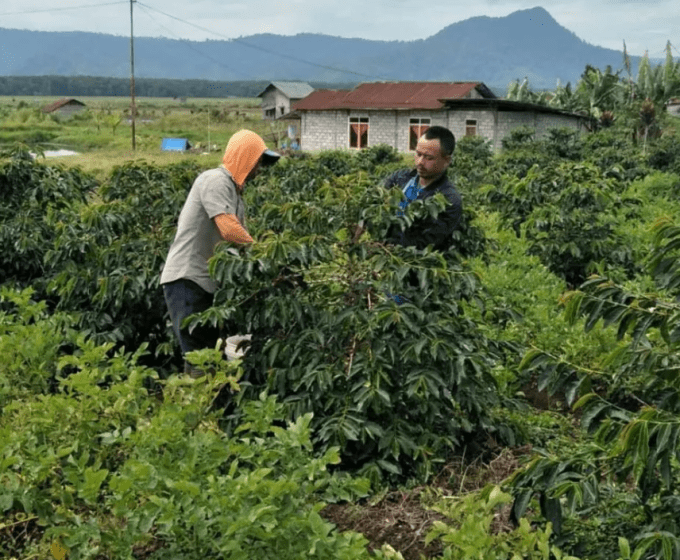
[358,132]
[470,127]
[416,129]
[270,113]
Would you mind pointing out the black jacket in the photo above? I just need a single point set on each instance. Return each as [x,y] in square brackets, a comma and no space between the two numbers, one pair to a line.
[428,231]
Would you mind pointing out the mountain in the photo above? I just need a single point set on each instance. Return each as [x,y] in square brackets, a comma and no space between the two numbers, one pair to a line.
[496,51]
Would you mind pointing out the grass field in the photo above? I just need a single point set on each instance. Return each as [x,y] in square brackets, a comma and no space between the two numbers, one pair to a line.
[121,103]
[102,133]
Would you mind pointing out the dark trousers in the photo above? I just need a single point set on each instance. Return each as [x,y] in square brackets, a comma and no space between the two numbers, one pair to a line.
[183,298]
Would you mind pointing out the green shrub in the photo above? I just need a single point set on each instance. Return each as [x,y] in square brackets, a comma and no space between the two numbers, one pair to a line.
[105,466]
[31,193]
[395,387]
[468,532]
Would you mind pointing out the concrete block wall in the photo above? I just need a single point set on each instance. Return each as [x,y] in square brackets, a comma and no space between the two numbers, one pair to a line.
[329,130]
[456,123]
[382,127]
[540,122]
[321,130]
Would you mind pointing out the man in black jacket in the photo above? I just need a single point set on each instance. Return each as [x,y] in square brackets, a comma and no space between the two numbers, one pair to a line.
[434,152]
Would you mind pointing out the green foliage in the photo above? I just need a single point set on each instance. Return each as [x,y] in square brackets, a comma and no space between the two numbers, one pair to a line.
[605,95]
[108,253]
[471,167]
[562,213]
[30,192]
[379,154]
[518,137]
[665,154]
[106,466]
[29,368]
[634,417]
[117,463]
[471,535]
[615,155]
[565,143]
[393,386]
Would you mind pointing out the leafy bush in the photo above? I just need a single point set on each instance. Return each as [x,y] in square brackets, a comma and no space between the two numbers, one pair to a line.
[394,386]
[107,467]
[379,154]
[634,417]
[564,143]
[471,167]
[566,214]
[338,162]
[30,194]
[664,154]
[615,155]
[519,137]
[29,368]
[108,254]
[472,535]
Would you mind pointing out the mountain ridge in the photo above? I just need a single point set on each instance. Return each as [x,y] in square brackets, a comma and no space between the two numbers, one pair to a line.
[494,50]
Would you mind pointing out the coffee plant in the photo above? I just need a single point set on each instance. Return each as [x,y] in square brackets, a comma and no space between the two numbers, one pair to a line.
[631,407]
[30,193]
[366,358]
[394,386]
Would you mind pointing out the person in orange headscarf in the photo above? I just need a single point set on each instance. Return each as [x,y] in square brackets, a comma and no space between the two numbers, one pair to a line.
[214,211]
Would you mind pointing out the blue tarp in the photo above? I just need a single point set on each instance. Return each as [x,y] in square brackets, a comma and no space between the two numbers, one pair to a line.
[175,144]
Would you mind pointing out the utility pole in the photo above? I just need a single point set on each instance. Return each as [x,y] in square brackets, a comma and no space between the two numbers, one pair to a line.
[133,108]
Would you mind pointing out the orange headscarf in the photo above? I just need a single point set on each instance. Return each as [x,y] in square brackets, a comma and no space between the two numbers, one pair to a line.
[243,151]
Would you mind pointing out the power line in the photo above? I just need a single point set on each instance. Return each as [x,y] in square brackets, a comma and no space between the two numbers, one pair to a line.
[268,51]
[48,10]
[189,45]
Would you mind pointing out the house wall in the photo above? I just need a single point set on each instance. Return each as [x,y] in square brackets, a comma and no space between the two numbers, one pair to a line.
[495,125]
[319,130]
[329,130]
[274,99]
[486,122]
[68,110]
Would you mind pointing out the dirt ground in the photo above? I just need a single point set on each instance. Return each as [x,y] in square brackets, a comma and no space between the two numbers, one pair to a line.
[402,519]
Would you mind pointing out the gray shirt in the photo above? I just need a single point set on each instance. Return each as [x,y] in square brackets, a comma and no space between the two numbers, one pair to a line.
[213,192]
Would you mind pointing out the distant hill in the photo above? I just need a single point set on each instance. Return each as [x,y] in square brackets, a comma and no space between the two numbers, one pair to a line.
[527,43]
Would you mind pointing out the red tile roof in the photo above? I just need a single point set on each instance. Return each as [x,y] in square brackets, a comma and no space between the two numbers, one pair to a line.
[391,95]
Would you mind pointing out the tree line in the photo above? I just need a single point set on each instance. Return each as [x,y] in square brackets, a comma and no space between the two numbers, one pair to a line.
[97,86]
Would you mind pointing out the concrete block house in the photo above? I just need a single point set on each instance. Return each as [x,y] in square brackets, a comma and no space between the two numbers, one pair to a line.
[397,113]
[277,97]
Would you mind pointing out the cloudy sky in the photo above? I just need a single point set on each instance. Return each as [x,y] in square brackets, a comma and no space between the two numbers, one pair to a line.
[645,25]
